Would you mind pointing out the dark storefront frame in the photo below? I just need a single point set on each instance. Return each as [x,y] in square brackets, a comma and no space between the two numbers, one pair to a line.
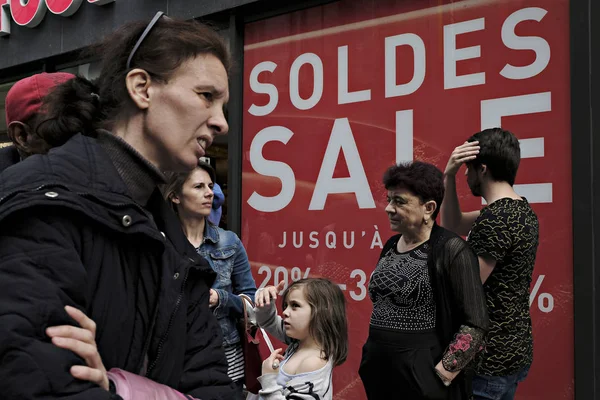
[231,15]
[585,103]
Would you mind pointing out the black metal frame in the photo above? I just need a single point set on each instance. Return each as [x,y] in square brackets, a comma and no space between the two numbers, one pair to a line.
[271,8]
[586,188]
[22,71]
[236,113]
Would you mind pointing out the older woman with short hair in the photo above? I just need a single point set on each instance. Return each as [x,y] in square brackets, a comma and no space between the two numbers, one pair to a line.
[429,315]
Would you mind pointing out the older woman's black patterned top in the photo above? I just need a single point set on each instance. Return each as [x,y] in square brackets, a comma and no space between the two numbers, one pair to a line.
[401,291]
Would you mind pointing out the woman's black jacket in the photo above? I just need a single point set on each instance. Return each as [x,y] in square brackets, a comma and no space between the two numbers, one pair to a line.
[71,235]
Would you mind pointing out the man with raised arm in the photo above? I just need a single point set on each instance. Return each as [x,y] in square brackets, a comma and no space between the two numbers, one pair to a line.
[504,235]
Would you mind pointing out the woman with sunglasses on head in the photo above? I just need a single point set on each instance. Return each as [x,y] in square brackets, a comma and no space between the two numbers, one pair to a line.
[85,225]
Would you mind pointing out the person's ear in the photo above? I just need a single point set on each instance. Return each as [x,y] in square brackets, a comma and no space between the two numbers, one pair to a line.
[173,197]
[483,169]
[138,83]
[18,133]
[430,208]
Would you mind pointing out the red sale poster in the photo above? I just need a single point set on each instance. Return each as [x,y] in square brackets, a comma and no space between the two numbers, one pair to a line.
[333,95]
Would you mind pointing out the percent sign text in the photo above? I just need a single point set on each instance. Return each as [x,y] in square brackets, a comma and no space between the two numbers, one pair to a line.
[545,301]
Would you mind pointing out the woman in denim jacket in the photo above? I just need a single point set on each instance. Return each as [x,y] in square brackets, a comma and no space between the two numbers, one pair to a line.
[191,195]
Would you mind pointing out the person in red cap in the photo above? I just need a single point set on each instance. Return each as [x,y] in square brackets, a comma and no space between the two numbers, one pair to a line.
[23,116]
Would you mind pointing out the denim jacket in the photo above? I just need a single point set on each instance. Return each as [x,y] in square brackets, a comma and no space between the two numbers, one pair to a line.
[226,255]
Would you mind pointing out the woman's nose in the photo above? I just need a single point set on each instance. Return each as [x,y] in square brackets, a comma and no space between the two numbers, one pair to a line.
[218,123]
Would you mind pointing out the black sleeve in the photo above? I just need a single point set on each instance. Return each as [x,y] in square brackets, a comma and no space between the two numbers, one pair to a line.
[40,273]
[470,303]
[490,236]
[467,289]
[205,369]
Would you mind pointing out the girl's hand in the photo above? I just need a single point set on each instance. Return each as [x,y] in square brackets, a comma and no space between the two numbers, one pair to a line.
[271,362]
[81,341]
[268,294]
[213,300]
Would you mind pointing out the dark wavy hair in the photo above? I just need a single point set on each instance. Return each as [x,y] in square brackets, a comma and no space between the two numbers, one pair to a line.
[81,106]
[328,324]
[425,180]
[500,152]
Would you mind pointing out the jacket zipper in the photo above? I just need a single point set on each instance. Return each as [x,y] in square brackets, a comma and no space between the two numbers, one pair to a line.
[166,334]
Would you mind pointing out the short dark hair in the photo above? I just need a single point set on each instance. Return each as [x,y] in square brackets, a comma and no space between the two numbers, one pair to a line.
[500,151]
[175,181]
[425,180]
[328,324]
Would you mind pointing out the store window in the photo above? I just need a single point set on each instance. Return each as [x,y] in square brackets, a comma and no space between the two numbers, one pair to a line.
[335,94]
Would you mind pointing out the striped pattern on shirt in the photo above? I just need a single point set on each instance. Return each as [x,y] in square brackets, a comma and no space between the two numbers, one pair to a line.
[235,361]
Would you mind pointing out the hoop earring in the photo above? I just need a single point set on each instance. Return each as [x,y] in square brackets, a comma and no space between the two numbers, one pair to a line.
[425,221]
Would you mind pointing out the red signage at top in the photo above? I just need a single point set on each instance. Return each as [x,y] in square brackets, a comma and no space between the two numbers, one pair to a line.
[32,12]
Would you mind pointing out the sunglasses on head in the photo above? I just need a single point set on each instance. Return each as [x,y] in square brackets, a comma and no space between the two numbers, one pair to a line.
[143,36]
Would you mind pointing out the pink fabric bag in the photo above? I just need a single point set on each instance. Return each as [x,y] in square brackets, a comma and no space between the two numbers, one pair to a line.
[134,387]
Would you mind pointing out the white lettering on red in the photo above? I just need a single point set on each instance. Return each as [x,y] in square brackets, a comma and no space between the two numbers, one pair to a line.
[452,55]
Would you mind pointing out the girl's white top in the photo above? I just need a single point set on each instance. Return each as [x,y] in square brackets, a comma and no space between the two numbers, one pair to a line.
[310,385]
